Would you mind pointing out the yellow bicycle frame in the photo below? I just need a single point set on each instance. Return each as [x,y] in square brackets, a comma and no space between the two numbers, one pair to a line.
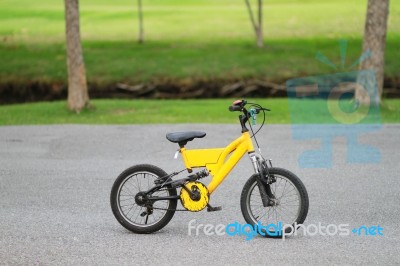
[216,160]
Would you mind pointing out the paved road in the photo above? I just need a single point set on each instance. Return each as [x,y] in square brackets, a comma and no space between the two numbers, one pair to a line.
[54,199]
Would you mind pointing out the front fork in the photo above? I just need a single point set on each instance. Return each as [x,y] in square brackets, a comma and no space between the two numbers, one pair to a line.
[265,189]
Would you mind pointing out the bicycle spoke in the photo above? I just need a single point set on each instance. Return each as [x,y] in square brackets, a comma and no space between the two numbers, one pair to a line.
[283,189]
[294,189]
[130,210]
[284,202]
[277,209]
[287,203]
[130,192]
[122,206]
[138,214]
[133,212]
[267,212]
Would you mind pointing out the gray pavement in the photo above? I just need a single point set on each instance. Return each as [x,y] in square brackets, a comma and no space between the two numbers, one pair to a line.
[54,199]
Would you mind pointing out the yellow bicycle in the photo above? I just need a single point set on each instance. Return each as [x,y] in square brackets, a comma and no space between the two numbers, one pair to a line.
[144,197]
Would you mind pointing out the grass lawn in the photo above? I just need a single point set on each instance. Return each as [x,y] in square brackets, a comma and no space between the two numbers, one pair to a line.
[186,39]
[176,111]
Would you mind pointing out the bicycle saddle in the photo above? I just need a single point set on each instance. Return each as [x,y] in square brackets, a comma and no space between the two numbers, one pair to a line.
[183,137]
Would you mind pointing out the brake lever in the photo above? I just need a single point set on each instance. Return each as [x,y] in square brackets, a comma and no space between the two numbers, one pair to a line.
[259,109]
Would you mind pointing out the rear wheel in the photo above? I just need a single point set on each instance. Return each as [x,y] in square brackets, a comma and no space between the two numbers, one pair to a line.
[126,200]
[289,204]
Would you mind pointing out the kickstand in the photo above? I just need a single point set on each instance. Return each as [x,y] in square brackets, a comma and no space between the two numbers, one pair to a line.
[213,209]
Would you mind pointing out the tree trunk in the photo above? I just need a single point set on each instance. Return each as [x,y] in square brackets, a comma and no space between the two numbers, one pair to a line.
[260,39]
[375,41]
[141,29]
[78,97]
[257,26]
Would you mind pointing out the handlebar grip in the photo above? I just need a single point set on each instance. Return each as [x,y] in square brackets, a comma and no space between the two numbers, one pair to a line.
[234,108]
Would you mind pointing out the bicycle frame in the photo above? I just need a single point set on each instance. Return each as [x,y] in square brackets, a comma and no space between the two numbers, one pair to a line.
[216,160]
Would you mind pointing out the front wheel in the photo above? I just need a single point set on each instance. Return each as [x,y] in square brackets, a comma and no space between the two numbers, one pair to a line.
[288,202]
[131,214]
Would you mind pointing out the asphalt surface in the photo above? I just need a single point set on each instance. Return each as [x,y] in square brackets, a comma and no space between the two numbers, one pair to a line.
[55,183]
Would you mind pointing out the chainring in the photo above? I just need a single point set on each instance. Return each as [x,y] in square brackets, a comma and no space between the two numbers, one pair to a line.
[194,205]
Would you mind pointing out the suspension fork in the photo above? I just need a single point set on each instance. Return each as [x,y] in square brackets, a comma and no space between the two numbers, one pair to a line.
[264,188]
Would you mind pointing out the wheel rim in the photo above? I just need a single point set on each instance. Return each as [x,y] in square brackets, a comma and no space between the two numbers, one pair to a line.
[289,203]
[130,210]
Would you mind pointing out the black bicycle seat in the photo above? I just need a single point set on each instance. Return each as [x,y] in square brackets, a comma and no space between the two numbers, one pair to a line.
[183,137]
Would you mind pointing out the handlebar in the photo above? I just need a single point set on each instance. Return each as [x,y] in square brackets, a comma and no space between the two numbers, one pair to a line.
[234,108]
[238,105]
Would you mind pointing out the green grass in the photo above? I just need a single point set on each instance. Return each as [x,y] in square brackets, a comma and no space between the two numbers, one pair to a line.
[185,39]
[175,111]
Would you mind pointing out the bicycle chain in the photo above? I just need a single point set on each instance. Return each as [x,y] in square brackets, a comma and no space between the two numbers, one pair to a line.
[178,210]
[164,209]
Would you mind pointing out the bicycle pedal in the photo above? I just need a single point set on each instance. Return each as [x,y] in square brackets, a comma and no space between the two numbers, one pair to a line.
[213,209]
